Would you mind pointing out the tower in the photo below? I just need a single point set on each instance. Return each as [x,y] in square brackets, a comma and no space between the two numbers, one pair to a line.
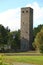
[26,28]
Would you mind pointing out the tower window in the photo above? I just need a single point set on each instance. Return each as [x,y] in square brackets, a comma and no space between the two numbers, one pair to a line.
[22,11]
[26,11]
[23,22]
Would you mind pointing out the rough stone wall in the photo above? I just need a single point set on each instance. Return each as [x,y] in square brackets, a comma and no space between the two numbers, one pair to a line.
[26,28]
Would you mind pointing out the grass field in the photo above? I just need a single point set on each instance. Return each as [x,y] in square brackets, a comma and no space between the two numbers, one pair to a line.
[32,58]
[25,59]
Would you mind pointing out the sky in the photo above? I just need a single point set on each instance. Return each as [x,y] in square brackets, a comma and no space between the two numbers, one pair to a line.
[10,12]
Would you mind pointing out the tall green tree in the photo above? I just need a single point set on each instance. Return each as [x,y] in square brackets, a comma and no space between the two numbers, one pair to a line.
[37,29]
[38,42]
[3,35]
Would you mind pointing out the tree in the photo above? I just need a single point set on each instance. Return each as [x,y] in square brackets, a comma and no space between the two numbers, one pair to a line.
[3,35]
[15,35]
[36,30]
[38,42]
[17,38]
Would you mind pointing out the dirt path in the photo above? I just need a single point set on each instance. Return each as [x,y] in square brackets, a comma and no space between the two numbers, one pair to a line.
[17,63]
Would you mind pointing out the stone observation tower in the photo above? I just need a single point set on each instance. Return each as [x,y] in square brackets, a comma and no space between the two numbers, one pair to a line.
[26,28]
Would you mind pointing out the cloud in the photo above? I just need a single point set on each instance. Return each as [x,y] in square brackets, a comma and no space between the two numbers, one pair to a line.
[12,17]
[37,14]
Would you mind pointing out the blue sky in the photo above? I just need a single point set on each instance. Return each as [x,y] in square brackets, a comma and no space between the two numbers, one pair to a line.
[10,12]
[10,4]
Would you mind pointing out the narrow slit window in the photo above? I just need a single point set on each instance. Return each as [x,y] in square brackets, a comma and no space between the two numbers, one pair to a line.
[23,22]
[22,11]
[26,11]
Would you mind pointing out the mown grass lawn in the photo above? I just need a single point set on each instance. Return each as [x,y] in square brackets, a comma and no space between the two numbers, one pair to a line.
[25,59]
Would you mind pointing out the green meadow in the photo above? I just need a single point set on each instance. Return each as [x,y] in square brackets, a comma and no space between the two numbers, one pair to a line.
[9,60]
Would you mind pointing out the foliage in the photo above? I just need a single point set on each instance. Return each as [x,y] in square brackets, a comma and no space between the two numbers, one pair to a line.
[38,42]
[41,48]
[9,38]
[3,36]
[1,61]
[16,39]
[36,30]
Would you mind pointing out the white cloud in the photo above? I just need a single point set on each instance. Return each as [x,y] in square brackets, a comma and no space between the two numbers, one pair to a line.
[38,13]
[12,18]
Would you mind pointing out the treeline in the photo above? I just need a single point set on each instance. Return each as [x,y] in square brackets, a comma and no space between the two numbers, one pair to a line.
[9,40]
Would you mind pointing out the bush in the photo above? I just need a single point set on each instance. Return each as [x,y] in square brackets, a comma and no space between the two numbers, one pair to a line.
[41,48]
[1,61]
[38,42]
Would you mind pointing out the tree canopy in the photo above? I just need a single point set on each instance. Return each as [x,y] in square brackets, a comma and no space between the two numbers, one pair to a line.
[37,29]
[3,35]
[38,42]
